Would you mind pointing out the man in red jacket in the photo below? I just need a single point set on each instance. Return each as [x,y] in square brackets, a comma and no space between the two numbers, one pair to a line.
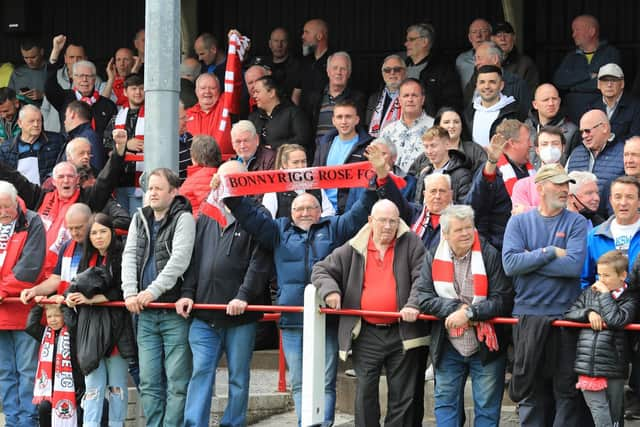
[22,250]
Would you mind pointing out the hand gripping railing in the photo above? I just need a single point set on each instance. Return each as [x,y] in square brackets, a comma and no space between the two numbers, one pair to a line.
[313,352]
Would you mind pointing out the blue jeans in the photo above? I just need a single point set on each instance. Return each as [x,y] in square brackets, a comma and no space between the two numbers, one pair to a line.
[207,344]
[487,385]
[163,347]
[112,373]
[18,362]
[292,347]
[126,197]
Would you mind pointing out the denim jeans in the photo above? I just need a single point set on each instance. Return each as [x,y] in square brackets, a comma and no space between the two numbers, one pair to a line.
[207,345]
[111,374]
[487,387]
[292,347]
[18,362]
[126,197]
[163,347]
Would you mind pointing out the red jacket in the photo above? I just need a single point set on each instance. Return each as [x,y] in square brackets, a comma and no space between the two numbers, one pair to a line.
[22,268]
[196,187]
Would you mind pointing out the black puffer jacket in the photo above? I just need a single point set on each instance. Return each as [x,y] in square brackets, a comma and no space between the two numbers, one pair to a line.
[458,168]
[604,353]
[287,124]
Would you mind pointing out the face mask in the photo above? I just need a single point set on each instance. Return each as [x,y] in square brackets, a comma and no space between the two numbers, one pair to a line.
[550,154]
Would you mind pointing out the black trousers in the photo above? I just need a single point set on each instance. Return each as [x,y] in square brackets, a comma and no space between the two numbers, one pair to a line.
[374,349]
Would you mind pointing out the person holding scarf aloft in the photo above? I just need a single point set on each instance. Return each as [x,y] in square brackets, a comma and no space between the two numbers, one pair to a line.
[104,335]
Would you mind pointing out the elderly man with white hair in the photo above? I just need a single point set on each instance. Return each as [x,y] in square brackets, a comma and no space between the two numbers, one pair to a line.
[246,144]
[33,151]
[22,237]
[584,197]
[84,89]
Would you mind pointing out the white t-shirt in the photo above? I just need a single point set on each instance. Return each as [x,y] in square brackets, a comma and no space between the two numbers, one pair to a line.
[622,234]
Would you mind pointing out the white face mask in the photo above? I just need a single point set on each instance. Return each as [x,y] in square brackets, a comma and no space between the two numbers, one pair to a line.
[550,154]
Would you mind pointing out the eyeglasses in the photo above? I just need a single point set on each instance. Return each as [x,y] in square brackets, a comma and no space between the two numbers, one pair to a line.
[84,76]
[412,39]
[389,70]
[392,222]
[305,208]
[589,130]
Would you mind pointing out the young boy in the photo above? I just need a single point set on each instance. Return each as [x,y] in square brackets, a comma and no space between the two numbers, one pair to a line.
[602,355]
[54,390]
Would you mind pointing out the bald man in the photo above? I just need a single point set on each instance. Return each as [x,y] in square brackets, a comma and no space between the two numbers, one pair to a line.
[306,232]
[479,31]
[377,270]
[315,48]
[577,75]
[285,68]
[546,112]
[600,153]
[76,221]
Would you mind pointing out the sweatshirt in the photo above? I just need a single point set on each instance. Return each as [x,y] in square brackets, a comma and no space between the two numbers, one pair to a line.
[544,284]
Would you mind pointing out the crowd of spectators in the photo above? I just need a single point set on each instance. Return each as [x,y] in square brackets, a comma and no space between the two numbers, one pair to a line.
[492,194]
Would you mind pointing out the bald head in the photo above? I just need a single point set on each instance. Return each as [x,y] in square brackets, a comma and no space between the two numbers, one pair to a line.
[585,31]
[190,69]
[383,206]
[252,74]
[546,101]
[315,37]
[595,129]
[231,167]
[76,221]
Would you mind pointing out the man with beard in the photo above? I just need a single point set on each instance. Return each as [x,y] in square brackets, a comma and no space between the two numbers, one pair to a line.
[315,48]
[543,252]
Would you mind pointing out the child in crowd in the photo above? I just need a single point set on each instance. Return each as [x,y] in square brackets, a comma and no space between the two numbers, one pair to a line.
[54,391]
[602,355]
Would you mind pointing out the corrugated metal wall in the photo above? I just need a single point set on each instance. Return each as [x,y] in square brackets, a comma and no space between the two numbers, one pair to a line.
[101,26]
[367,29]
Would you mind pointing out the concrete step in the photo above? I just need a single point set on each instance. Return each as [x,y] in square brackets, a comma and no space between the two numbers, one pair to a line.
[264,399]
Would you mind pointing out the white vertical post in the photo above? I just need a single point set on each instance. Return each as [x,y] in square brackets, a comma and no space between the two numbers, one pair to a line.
[313,342]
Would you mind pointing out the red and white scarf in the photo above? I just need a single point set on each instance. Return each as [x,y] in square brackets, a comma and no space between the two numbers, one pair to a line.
[6,231]
[509,174]
[378,122]
[443,277]
[422,222]
[121,123]
[56,387]
[95,96]
[52,212]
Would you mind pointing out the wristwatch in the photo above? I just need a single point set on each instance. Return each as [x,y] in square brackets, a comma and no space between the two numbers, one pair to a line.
[469,312]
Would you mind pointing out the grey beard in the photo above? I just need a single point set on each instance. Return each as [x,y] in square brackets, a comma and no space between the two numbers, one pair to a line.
[308,49]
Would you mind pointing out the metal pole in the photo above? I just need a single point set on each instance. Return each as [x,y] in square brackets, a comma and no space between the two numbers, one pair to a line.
[313,342]
[161,84]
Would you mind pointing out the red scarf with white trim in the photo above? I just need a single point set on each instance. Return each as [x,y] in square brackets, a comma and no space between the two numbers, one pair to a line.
[67,273]
[95,96]
[509,174]
[118,91]
[420,226]
[443,277]
[52,212]
[56,387]
[121,123]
